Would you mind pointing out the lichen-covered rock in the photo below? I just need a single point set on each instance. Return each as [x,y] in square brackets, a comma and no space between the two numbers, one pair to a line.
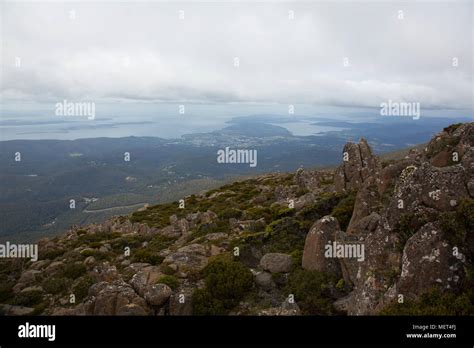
[372,277]
[367,201]
[264,280]
[144,278]
[449,146]
[157,294]
[188,259]
[276,262]
[358,164]
[321,234]
[427,186]
[429,261]
[117,298]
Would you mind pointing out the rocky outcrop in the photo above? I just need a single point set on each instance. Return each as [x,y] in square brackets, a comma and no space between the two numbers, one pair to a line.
[451,145]
[423,189]
[358,164]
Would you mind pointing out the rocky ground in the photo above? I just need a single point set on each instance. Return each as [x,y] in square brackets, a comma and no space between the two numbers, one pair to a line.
[257,247]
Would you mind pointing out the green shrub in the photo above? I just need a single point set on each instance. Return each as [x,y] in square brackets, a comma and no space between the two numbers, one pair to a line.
[452,128]
[6,291]
[147,256]
[169,280]
[230,213]
[39,308]
[343,211]
[322,207]
[81,232]
[205,304]
[255,213]
[433,302]
[465,213]
[297,256]
[55,285]
[51,254]
[285,235]
[458,226]
[81,289]
[166,269]
[87,239]
[310,290]
[226,283]
[28,298]
[281,212]
[87,252]
[212,227]
[95,245]
[341,284]
[73,270]
[407,226]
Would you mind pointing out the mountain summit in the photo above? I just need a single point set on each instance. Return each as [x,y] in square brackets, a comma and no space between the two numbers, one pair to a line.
[377,235]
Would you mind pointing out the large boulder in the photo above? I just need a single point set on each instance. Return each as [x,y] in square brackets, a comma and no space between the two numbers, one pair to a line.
[322,233]
[117,298]
[264,280]
[188,259]
[144,278]
[158,294]
[276,262]
[427,187]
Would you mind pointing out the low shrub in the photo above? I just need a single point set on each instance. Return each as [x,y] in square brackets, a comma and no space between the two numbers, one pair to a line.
[55,285]
[343,210]
[311,291]
[433,302]
[407,226]
[226,282]
[81,289]
[73,270]
[28,298]
[169,280]
[147,256]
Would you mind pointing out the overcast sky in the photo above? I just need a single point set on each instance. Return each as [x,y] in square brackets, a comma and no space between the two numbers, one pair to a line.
[144,52]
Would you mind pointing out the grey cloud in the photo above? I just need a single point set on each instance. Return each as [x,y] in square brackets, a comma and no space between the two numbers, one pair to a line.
[143,52]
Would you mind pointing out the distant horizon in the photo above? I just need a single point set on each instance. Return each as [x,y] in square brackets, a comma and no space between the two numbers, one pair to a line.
[165,121]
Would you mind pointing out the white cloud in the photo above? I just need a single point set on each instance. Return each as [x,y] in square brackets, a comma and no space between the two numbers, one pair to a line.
[144,52]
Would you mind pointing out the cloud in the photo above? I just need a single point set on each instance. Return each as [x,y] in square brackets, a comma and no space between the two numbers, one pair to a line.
[144,52]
